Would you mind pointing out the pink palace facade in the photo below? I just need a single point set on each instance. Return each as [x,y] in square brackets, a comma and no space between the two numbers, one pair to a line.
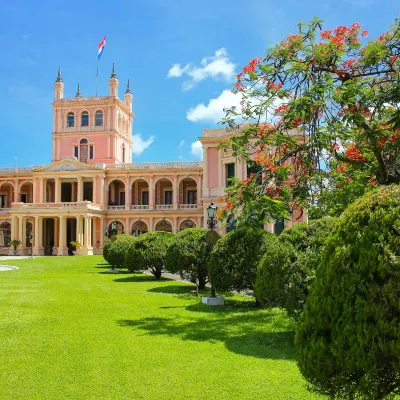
[92,187]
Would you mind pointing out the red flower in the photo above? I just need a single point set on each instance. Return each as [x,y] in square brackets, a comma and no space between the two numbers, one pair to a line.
[364,33]
[335,146]
[393,59]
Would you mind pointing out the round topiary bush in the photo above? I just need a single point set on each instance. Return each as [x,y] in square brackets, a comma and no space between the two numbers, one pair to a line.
[117,250]
[235,257]
[148,252]
[188,255]
[288,267]
[106,247]
[348,334]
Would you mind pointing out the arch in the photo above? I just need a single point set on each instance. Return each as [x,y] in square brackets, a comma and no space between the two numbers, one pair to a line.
[187,177]
[140,193]
[5,234]
[99,118]
[84,118]
[6,183]
[70,120]
[187,224]
[116,192]
[139,228]
[164,192]
[188,191]
[115,228]
[26,193]
[164,225]
[22,184]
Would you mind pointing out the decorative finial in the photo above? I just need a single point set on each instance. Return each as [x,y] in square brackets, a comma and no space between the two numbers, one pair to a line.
[78,91]
[59,79]
[113,74]
[128,88]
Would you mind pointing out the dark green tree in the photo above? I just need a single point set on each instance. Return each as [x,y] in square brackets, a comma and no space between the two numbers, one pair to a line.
[188,255]
[148,252]
[117,250]
[348,334]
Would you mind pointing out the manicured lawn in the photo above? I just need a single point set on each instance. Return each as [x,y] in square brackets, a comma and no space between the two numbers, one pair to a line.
[69,330]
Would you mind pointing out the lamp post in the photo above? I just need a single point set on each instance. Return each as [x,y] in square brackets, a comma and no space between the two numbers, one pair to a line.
[212,222]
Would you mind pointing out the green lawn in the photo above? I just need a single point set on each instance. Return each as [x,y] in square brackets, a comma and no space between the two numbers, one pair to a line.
[69,330]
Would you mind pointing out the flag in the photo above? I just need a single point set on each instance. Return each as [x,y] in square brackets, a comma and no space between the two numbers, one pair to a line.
[101,47]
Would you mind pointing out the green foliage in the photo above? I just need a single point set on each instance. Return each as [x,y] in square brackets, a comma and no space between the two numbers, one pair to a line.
[148,252]
[188,255]
[116,252]
[234,259]
[106,248]
[15,243]
[348,334]
[288,267]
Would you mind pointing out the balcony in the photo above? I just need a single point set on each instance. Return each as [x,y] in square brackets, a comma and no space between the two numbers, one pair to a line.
[87,205]
[4,210]
[139,207]
[163,207]
[189,206]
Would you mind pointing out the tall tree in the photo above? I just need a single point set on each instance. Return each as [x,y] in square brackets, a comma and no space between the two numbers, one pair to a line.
[322,122]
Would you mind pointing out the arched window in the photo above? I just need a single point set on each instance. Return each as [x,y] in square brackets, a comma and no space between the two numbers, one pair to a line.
[138,228]
[99,118]
[115,228]
[123,153]
[187,224]
[70,120]
[5,234]
[164,226]
[85,118]
[83,151]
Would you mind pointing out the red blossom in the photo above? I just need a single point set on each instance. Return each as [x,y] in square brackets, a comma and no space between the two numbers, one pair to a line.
[335,146]
[393,59]
[355,154]
[364,33]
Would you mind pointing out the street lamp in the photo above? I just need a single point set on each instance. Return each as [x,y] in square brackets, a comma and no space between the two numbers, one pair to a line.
[212,214]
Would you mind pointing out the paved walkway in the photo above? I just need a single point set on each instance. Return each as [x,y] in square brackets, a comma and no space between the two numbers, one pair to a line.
[5,258]
[7,268]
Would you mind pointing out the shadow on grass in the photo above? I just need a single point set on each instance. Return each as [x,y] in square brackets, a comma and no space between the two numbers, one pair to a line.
[121,272]
[174,289]
[258,334]
[141,278]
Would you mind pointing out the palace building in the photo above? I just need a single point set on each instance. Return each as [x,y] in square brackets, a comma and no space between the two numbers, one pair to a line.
[92,188]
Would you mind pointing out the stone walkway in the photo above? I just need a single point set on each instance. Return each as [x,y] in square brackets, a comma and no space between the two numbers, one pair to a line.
[7,268]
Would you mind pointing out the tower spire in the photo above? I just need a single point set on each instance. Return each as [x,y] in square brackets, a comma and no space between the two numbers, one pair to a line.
[113,74]
[78,91]
[128,88]
[59,78]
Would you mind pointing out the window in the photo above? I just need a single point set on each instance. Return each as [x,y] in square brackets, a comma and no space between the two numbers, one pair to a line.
[187,225]
[168,197]
[83,144]
[24,198]
[99,118]
[91,153]
[123,154]
[76,152]
[192,197]
[3,201]
[145,198]
[85,119]
[164,226]
[5,234]
[279,226]
[70,120]
[229,173]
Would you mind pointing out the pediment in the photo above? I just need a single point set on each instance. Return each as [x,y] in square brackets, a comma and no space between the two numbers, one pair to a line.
[66,165]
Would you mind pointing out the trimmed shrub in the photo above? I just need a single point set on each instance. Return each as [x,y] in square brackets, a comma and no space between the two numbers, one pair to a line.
[106,247]
[287,269]
[117,250]
[348,334]
[188,255]
[148,252]
[235,257]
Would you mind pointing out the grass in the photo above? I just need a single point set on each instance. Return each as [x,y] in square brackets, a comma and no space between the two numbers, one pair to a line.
[70,330]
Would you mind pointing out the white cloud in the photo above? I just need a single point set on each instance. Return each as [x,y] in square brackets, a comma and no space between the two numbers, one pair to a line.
[176,71]
[139,145]
[197,149]
[214,111]
[217,66]
[181,144]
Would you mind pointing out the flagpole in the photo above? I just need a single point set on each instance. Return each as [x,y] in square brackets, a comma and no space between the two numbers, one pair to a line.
[97,74]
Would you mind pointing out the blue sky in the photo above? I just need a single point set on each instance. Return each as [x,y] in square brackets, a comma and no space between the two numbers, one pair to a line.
[180,55]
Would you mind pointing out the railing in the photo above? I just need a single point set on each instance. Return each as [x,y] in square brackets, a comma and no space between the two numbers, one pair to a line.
[77,99]
[116,208]
[188,206]
[157,165]
[4,210]
[69,205]
[16,170]
[139,207]
[163,207]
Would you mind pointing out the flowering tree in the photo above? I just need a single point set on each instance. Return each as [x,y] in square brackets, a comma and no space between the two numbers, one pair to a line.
[323,122]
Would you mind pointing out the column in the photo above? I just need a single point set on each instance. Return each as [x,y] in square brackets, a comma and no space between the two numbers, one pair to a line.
[199,223]
[80,188]
[102,185]
[42,190]
[151,224]
[16,191]
[57,190]
[88,232]
[220,185]
[34,186]
[14,227]
[62,249]
[199,183]
[78,230]
[73,190]
[36,237]
[128,194]
[94,190]
[40,235]
[205,190]
[56,234]
[102,231]
[174,227]
[20,230]
[151,195]
[175,192]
